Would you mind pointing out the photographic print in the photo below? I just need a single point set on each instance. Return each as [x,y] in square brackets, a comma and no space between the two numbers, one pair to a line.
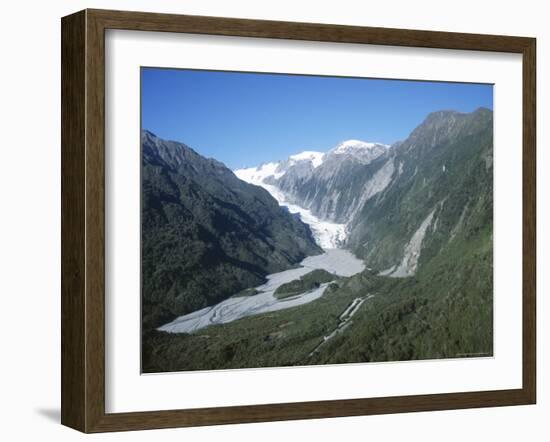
[295,220]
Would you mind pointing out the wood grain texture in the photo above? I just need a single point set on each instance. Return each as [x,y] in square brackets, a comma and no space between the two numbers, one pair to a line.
[145,21]
[95,221]
[529,220]
[73,129]
[83,220]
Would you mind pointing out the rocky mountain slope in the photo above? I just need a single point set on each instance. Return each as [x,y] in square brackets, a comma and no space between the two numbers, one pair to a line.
[420,213]
[206,235]
[397,201]
[440,190]
[330,185]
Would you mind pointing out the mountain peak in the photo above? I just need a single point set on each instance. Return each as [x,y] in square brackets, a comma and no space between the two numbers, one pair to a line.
[442,117]
[443,125]
[354,145]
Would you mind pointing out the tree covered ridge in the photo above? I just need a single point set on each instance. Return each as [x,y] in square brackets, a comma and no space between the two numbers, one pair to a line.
[443,310]
[206,235]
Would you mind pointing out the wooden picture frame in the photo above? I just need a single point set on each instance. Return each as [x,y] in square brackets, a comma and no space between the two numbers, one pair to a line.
[83,220]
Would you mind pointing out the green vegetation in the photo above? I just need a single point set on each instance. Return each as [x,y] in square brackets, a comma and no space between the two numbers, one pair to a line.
[206,235]
[306,283]
[452,175]
[444,311]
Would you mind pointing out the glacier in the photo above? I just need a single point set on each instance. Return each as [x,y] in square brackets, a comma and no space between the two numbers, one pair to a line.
[327,234]
[328,230]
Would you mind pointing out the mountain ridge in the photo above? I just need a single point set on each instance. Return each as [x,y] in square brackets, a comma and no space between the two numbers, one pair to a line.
[353,192]
[420,215]
[205,233]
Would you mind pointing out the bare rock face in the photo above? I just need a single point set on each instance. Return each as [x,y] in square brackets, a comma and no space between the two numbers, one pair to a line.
[383,195]
[440,190]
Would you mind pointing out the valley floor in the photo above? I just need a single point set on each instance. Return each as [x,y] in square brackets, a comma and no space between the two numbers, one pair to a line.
[432,232]
[361,318]
[337,261]
[444,311]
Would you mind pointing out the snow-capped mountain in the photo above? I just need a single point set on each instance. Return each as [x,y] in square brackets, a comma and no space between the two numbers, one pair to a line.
[189,200]
[309,160]
[258,175]
[420,212]
[366,188]
[310,182]
[320,182]
[361,150]
[268,172]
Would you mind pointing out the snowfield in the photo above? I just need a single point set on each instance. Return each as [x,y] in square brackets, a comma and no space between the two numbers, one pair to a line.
[256,175]
[355,145]
[316,158]
[337,261]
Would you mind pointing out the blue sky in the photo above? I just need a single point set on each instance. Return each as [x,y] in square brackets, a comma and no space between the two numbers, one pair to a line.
[244,119]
